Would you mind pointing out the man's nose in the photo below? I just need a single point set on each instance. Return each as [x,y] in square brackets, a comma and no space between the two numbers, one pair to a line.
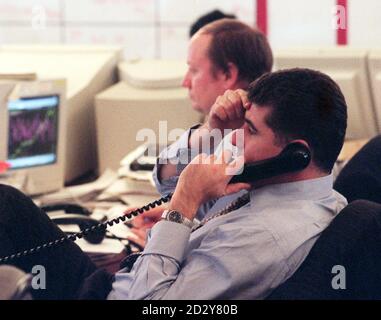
[186,81]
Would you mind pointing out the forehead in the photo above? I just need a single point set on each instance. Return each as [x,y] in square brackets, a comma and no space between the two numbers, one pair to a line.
[198,48]
[258,115]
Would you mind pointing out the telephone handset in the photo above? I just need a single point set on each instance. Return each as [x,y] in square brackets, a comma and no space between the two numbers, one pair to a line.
[76,214]
[67,207]
[294,157]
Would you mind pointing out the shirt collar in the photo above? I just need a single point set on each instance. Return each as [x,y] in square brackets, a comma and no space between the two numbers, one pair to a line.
[299,190]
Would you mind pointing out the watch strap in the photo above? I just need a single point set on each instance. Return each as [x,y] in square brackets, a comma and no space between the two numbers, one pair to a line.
[176,216]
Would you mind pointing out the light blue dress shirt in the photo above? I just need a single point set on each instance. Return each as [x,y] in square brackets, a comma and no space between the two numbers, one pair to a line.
[244,254]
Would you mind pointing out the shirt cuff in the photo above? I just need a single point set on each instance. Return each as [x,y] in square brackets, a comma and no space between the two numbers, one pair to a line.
[172,152]
[175,154]
[168,239]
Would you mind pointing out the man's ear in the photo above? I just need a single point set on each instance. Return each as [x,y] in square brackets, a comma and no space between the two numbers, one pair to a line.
[231,76]
[300,141]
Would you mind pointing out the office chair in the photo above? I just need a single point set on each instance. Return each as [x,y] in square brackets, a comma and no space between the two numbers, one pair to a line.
[360,178]
[14,284]
[352,240]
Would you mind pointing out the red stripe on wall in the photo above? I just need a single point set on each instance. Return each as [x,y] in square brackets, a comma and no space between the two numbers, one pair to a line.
[262,15]
[342,33]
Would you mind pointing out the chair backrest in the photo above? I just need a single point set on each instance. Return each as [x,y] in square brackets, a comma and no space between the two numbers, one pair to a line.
[350,248]
[14,284]
[360,178]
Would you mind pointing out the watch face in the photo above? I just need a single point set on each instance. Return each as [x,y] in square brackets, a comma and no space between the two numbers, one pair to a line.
[175,216]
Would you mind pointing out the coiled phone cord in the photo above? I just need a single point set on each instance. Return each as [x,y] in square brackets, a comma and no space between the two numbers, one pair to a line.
[79,235]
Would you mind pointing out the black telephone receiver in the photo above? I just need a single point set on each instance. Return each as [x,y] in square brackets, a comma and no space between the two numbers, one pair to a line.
[76,214]
[294,157]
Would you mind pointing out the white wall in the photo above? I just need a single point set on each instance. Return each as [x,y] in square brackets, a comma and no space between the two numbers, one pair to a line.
[159,28]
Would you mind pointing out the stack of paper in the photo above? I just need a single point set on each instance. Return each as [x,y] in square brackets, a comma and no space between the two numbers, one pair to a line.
[18,76]
[81,193]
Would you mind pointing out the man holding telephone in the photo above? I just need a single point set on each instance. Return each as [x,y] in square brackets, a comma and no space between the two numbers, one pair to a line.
[252,246]
[247,249]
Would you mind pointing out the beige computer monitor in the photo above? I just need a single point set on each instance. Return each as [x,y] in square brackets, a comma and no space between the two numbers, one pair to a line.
[32,134]
[151,92]
[346,66]
[374,65]
[88,70]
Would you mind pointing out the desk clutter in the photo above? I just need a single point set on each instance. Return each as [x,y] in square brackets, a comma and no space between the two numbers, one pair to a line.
[106,198]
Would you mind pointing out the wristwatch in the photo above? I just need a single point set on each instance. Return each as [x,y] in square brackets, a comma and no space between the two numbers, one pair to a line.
[175,216]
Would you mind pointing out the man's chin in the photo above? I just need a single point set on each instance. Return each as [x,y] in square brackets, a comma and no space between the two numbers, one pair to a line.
[196,107]
[199,109]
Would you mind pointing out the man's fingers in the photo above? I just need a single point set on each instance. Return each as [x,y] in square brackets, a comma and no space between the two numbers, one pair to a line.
[245,100]
[236,187]
[153,214]
[230,111]
[129,210]
[240,111]
[228,106]
[220,113]
[147,219]
[199,159]
[236,104]
[235,166]
[137,222]
[225,157]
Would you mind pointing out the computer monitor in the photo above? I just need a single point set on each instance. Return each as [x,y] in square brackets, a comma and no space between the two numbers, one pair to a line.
[87,70]
[149,98]
[32,134]
[374,64]
[346,66]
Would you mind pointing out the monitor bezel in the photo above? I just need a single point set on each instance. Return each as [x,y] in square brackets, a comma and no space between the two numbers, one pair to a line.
[41,178]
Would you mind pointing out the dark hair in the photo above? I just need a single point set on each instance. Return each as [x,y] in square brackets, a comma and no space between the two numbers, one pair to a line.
[207,18]
[305,104]
[237,43]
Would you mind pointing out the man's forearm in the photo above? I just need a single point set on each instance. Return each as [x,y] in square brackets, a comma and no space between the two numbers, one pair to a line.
[166,171]
[200,140]
[204,139]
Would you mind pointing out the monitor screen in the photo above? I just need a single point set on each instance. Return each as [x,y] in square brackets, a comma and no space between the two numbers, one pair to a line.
[33,131]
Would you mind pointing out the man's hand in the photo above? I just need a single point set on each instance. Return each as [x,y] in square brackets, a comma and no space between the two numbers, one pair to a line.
[228,112]
[141,223]
[205,178]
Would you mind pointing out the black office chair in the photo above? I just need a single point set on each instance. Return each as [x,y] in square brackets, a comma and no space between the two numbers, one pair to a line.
[14,284]
[361,176]
[352,240]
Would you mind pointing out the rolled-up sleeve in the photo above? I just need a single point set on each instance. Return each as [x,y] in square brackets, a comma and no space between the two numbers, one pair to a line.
[174,154]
